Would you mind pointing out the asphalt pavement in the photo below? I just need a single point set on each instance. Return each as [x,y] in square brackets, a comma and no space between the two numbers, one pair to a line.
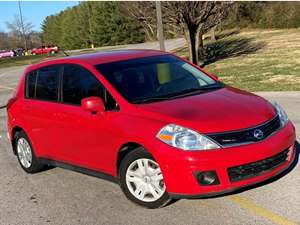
[59,196]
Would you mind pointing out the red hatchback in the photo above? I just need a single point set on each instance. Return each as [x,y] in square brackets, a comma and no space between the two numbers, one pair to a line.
[154,123]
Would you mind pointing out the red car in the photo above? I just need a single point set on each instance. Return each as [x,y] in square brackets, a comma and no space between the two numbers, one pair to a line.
[45,50]
[156,124]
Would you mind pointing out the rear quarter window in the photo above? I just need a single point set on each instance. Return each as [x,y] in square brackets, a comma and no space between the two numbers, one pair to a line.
[30,84]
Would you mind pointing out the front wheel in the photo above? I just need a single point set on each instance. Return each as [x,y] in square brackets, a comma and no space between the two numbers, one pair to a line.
[142,181]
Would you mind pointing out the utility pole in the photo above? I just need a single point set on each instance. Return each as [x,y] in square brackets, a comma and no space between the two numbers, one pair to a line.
[90,25]
[22,26]
[160,30]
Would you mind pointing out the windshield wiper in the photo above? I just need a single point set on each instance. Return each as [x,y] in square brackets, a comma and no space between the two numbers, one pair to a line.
[187,92]
[194,91]
[151,99]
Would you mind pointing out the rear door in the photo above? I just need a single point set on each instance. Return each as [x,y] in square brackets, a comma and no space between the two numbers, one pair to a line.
[40,108]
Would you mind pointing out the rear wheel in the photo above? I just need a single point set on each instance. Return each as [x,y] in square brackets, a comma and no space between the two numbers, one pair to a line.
[142,181]
[25,153]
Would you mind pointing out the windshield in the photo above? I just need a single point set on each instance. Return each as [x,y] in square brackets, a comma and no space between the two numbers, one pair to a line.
[156,78]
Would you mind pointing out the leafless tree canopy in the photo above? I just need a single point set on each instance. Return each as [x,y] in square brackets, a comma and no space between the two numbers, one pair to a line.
[145,13]
[14,37]
[192,18]
[195,19]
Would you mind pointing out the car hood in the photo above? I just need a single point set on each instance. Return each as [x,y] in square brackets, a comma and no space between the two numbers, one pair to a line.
[225,109]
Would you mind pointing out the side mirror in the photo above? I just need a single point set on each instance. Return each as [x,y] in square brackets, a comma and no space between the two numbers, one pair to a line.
[214,76]
[93,105]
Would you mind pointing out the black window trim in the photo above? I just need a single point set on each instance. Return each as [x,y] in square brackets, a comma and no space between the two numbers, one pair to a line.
[36,78]
[60,86]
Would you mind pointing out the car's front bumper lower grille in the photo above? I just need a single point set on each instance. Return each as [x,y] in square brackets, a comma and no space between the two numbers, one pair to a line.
[253,169]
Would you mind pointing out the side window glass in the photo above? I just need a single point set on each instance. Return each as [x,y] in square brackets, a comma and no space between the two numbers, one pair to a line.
[78,83]
[47,83]
[30,84]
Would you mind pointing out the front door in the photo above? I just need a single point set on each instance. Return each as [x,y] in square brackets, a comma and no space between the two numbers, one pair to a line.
[87,139]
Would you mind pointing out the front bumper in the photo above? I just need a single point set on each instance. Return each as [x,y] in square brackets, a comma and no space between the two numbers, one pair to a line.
[179,167]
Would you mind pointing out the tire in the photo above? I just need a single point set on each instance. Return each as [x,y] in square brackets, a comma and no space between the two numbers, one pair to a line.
[148,185]
[26,158]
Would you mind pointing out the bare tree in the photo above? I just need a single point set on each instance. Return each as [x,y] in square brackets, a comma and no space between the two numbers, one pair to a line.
[143,12]
[20,29]
[191,18]
[196,18]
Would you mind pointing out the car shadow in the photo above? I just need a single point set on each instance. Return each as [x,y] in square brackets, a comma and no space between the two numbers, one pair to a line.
[223,49]
[271,180]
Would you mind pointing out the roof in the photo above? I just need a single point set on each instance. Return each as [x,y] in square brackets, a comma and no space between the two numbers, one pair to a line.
[101,57]
[115,55]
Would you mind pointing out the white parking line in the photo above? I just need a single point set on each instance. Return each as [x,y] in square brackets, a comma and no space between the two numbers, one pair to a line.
[10,71]
[5,87]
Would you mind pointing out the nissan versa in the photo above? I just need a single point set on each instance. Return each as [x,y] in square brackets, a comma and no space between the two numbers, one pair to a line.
[156,124]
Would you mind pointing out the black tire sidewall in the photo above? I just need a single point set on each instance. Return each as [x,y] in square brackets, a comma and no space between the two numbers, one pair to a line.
[129,158]
[35,165]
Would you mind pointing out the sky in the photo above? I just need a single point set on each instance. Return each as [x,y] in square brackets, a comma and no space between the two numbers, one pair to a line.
[33,11]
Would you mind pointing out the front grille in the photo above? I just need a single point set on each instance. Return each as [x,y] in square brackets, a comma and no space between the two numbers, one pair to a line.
[247,135]
[246,171]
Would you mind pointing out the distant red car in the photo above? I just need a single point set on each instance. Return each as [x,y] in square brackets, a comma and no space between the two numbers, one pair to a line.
[45,50]
[6,53]
[154,123]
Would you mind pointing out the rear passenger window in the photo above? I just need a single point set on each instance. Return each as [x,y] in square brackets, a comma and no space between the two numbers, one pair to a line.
[47,83]
[30,84]
[78,83]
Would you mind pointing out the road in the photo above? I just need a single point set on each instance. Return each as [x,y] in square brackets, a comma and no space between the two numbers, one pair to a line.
[170,44]
[58,196]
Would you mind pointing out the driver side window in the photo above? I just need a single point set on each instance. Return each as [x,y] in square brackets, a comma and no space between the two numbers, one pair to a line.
[78,83]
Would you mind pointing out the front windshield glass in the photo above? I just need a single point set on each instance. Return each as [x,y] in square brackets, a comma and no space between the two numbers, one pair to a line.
[156,78]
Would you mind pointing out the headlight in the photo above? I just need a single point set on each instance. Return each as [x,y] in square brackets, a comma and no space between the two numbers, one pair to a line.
[184,138]
[281,113]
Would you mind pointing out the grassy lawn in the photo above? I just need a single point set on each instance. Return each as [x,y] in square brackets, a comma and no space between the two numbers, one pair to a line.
[22,60]
[26,60]
[255,60]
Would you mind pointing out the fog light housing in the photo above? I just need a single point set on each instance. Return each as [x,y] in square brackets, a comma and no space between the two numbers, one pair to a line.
[207,178]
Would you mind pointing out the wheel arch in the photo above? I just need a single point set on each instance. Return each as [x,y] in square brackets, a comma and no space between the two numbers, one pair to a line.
[124,150]
[14,130]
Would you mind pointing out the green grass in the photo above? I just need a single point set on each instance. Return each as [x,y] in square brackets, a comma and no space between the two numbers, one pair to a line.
[255,60]
[22,60]
[26,60]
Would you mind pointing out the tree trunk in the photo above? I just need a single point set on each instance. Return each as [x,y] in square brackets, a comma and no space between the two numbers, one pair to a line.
[192,41]
[201,54]
[213,34]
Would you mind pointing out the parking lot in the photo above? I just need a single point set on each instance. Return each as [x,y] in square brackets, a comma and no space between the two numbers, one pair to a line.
[58,196]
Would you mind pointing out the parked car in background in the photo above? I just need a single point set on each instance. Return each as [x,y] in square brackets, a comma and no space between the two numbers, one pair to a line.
[6,53]
[50,49]
[19,52]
